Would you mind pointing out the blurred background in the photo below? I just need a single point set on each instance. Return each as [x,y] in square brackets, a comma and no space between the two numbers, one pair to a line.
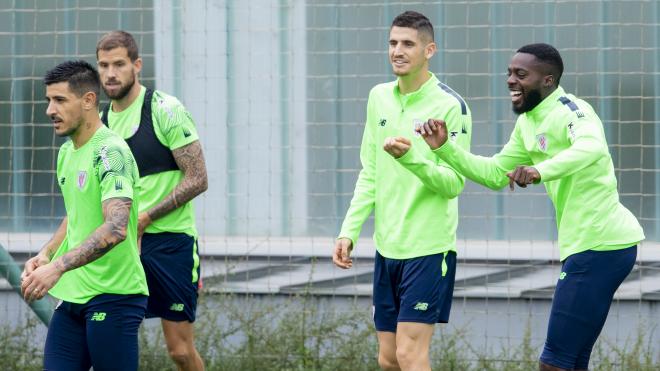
[278,91]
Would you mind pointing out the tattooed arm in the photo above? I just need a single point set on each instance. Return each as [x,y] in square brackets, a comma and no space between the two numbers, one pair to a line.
[191,161]
[116,212]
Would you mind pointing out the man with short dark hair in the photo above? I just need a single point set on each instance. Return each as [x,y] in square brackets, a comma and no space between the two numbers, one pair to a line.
[91,264]
[414,198]
[162,136]
[559,140]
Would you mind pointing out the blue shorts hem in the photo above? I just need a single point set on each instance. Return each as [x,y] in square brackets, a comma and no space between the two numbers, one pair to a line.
[388,329]
[170,317]
[420,320]
[556,363]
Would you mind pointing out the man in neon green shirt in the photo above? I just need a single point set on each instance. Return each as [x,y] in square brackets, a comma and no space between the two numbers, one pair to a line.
[559,140]
[163,139]
[414,198]
[91,264]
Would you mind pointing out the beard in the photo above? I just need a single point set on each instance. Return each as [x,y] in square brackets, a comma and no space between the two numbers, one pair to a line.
[123,90]
[530,101]
[71,130]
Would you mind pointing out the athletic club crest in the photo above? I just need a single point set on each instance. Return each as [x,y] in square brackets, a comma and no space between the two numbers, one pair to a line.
[542,142]
[417,123]
[82,179]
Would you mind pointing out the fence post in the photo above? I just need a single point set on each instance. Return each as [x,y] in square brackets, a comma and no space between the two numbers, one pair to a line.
[12,272]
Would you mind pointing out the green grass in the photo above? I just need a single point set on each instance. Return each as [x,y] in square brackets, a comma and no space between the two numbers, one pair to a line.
[308,333]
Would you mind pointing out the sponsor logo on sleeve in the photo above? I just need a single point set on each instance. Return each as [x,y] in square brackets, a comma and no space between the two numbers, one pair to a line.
[571,130]
[166,107]
[104,158]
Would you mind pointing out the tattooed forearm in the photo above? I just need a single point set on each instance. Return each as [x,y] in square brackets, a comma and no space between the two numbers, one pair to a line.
[195,181]
[116,212]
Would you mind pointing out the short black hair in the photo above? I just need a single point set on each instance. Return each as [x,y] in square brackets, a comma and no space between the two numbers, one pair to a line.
[416,21]
[547,54]
[81,76]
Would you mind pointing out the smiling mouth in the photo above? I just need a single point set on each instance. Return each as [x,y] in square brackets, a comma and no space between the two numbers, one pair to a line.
[516,96]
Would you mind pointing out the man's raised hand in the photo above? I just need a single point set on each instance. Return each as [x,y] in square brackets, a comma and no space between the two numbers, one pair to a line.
[434,133]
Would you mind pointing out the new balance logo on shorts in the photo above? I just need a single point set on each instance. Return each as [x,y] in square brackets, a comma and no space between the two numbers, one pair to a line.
[98,316]
[562,275]
[421,306]
[177,307]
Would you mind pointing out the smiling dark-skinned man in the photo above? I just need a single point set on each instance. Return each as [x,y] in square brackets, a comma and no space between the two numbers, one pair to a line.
[559,141]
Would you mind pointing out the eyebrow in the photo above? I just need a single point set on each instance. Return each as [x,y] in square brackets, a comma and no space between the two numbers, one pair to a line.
[402,40]
[55,96]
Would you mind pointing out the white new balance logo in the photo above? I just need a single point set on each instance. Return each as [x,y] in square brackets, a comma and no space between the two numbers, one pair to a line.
[421,306]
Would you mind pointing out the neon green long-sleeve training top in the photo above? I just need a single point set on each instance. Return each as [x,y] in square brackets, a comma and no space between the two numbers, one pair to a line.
[414,196]
[564,140]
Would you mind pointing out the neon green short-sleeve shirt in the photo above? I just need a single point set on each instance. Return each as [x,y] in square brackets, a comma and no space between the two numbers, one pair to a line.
[174,128]
[101,169]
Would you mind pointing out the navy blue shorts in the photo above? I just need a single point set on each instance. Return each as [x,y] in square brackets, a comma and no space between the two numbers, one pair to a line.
[171,264]
[581,302]
[413,290]
[102,333]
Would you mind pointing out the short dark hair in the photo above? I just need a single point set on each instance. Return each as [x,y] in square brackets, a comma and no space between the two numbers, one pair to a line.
[118,39]
[81,76]
[414,20]
[547,54]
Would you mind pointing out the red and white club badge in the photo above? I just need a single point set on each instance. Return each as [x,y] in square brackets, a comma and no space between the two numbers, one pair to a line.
[82,179]
[542,142]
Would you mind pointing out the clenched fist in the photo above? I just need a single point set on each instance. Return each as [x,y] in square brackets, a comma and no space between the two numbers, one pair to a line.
[397,146]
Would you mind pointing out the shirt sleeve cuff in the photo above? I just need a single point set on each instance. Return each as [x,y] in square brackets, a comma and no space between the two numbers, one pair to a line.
[345,235]
[542,169]
[409,157]
[446,150]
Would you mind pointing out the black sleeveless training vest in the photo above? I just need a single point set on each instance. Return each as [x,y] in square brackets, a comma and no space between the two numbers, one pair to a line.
[150,154]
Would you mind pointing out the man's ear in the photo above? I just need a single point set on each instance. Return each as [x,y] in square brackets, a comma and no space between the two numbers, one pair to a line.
[89,100]
[138,66]
[430,50]
[549,81]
